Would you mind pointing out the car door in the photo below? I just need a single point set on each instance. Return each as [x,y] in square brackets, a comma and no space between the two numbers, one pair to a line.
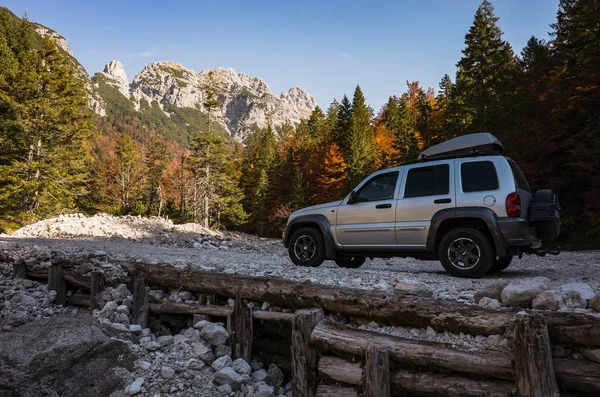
[426,189]
[369,221]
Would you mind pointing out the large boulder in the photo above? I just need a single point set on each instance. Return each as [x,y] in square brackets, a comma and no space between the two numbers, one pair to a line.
[227,376]
[62,356]
[584,289]
[522,292]
[595,303]
[214,334]
[549,300]
[492,291]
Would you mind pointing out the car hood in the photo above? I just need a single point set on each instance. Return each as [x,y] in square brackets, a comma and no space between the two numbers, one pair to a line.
[308,210]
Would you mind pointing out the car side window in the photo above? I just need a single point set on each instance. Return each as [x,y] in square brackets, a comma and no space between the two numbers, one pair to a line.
[428,181]
[478,176]
[381,187]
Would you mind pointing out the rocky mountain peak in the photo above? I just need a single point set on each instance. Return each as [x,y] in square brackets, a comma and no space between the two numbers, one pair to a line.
[60,41]
[115,75]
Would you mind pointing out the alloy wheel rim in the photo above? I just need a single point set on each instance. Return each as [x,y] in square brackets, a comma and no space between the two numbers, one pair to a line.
[464,253]
[305,248]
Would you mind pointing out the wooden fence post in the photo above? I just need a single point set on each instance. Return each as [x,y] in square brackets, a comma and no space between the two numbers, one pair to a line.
[19,270]
[241,329]
[305,358]
[56,283]
[376,375]
[141,301]
[533,367]
[96,286]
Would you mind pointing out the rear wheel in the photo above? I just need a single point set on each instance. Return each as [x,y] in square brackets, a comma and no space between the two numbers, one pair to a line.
[306,247]
[500,264]
[466,252]
[351,263]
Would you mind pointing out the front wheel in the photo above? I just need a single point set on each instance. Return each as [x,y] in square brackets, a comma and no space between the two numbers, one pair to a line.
[466,252]
[306,247]
[500,264]
[351,263]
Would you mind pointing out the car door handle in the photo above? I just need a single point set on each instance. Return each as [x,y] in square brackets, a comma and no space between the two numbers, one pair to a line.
[442,201]
[380,206]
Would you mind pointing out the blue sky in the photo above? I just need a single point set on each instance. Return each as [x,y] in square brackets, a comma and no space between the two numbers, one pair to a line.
[325,47]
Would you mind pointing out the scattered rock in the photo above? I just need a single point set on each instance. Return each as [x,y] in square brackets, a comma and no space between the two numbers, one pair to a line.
[221,363]
[204,353]
[492,291]
[409,287]
[494,340]
[224,390]
[135,387]
[227,376]
[549,300]
[264,390]
[489,303]
[584,290]
[222,350]
[274,376]
[214,334]
[595,303]
[259,376]
[430,332]
[593,355]
[522,292]
[165,340]
[167,372]
[241,367]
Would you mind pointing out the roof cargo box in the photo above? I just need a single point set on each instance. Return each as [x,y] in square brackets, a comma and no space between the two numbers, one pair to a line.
[481,143]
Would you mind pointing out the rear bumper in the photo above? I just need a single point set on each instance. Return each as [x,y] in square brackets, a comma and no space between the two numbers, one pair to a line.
[516,232]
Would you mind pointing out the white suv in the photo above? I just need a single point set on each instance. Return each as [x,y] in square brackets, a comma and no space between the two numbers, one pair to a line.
[462,202]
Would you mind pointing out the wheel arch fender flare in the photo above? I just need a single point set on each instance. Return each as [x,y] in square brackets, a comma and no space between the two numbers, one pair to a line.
[486,215]
[312,220]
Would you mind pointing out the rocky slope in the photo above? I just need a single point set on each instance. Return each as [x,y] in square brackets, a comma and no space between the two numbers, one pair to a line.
[168,97]
[245,102]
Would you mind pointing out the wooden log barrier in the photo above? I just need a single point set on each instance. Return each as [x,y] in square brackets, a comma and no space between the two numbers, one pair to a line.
[57,283]
[305,358]
[96,287]
[336,391]
[376,375]
[575,328]
[404,382]
[19,270]
[533,367]
[241,331]
[141,301]
[441,356]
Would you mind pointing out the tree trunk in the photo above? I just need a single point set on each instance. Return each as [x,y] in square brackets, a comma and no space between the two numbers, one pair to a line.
[376,376]
[305,358]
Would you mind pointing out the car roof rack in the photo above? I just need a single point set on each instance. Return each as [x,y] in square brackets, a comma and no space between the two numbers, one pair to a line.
[482,143]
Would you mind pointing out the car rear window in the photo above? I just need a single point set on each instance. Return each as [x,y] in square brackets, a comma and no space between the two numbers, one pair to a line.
[428,181]
[520,179]
[478,176]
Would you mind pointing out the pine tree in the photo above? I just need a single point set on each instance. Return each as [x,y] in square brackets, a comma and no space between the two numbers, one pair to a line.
[45,122]
[128,174]
[361,149]
[485,87]
[342,126]
[156,163]
[211,102]
[331,179]
[332,116]
[318,126]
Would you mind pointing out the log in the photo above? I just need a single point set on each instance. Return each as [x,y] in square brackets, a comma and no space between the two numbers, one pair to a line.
[441,356]
[141,301]
[42,273]
[57,283]
[388,307]
[79,300]
[376,375]
[19,270]
[185,308]
[533,368]
[273,316]
[305,358]
[96,287]
[578,375]
[336,391]
[334,369]
[241,330]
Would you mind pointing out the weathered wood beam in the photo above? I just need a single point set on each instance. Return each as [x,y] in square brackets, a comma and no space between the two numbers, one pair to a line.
[273,316]
[582,376]
[533,368]
[336,391]
[305,358]
[576,328]
[57,283]
[376,375]
[403,382]
[19,270]
[141,301]
[241,330]
[330,335]
[186,308]
[96,287]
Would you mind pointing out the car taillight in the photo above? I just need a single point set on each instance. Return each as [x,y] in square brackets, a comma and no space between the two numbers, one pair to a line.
[513,205]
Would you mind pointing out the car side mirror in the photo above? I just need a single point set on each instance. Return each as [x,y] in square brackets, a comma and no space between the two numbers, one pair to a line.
[352,198]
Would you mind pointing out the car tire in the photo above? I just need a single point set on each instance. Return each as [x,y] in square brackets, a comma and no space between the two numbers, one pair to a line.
[351,263]
[306,247]
[466,252]
[500,264]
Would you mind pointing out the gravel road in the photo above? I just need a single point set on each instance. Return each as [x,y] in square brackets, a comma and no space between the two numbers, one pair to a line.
[269,258]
